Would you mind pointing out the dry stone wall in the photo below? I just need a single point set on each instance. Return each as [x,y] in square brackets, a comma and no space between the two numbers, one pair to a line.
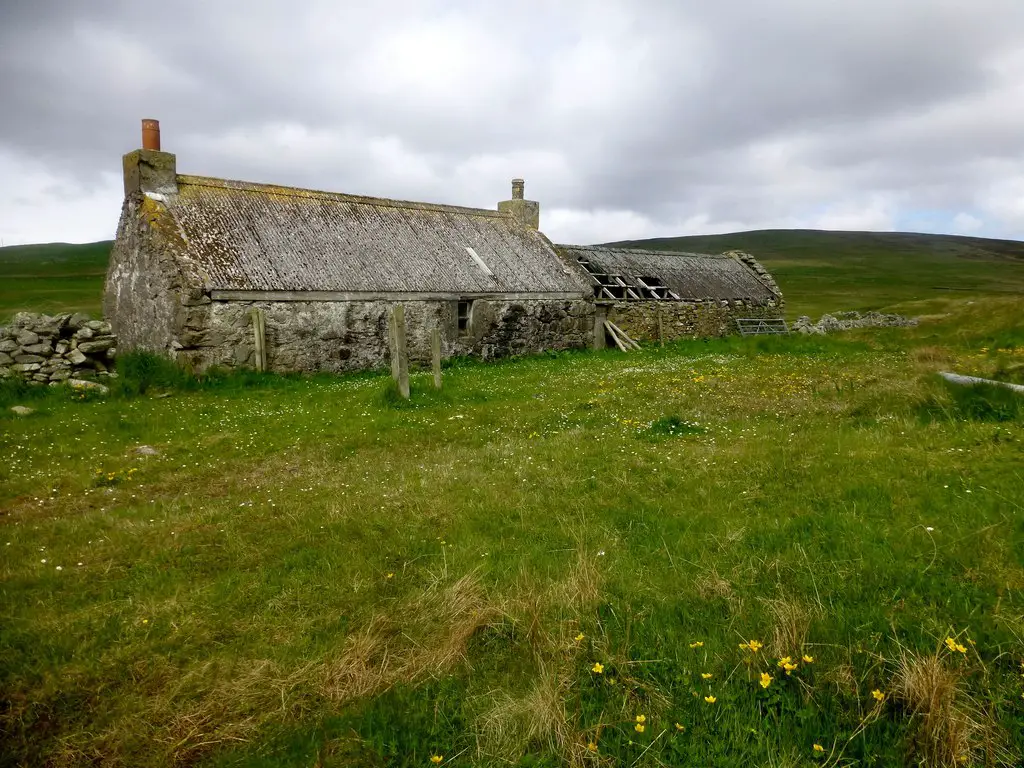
[44,349]
[844,321]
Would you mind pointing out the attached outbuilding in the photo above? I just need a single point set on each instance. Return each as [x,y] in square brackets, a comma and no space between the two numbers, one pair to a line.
[208,270]
[676,295]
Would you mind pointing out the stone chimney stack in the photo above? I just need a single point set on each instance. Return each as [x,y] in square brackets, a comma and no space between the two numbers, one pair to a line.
[149,170]
[525,211]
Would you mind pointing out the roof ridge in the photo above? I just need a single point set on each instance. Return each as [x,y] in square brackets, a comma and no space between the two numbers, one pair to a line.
[642,250]
[316,194]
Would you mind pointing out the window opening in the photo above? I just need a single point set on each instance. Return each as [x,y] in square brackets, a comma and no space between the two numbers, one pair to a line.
[465,309]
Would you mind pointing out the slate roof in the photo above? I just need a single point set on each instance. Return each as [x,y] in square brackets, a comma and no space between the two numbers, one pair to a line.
[237,236]
[691,276]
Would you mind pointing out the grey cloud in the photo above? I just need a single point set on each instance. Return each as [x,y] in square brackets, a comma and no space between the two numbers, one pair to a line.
[734,111]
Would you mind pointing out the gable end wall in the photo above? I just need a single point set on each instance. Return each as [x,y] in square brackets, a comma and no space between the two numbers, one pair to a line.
[145,295]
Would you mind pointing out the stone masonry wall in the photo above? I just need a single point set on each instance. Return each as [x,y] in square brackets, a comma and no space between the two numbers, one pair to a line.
[144,290]
[49,350]
[346,336]
[683,320]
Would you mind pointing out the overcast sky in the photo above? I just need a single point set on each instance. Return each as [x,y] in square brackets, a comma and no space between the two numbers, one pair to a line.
[627,118]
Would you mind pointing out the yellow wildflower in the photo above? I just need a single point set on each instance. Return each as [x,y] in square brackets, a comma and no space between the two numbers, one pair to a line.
[818,748]
[435,759]
[789,668]
[697,644]
[784,661]
[710,699]
[389,575]
[641,718]
[639,727]
[753,646]
[706,675]
[598,667]
[879,696]
[579,637]
[808,659]
[592,747]
[680,727]
[953,645]
[766,679]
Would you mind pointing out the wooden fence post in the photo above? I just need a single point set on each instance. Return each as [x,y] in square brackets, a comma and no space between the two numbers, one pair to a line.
[399,353]
[600,315]
[392,344]
[435,354]
[259,332]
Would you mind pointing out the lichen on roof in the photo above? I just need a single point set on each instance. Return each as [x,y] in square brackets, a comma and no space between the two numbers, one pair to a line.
[245,236]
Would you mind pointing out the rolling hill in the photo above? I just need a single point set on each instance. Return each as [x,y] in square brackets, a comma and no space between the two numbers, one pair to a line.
[824,271]
[818,271]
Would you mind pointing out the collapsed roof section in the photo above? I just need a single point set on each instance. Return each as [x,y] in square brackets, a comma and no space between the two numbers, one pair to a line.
[632,274]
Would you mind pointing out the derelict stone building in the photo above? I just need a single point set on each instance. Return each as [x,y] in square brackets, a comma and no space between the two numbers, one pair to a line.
[676,295]
[199,262]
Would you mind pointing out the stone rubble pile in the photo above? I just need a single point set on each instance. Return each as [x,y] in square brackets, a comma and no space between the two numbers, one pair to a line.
[844,321]
[44,349]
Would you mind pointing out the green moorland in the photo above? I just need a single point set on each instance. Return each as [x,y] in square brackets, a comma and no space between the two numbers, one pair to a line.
[741,552]
[818,271]
[828,271]
[53,278]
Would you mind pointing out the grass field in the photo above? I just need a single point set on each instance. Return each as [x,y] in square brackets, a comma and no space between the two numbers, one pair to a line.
[53,278]
[762,552]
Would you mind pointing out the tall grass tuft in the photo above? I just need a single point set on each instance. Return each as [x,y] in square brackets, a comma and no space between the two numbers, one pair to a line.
[141,373]
[949,727]
[14,391]
[976,402]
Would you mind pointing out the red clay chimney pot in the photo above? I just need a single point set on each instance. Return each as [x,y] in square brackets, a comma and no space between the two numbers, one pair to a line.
[151,134]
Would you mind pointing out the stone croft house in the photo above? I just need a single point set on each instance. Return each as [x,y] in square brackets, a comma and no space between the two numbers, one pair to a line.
[199,261]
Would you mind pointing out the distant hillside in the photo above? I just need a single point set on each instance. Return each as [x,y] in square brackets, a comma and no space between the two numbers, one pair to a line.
[818,271]
[54,277]
[821,271]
